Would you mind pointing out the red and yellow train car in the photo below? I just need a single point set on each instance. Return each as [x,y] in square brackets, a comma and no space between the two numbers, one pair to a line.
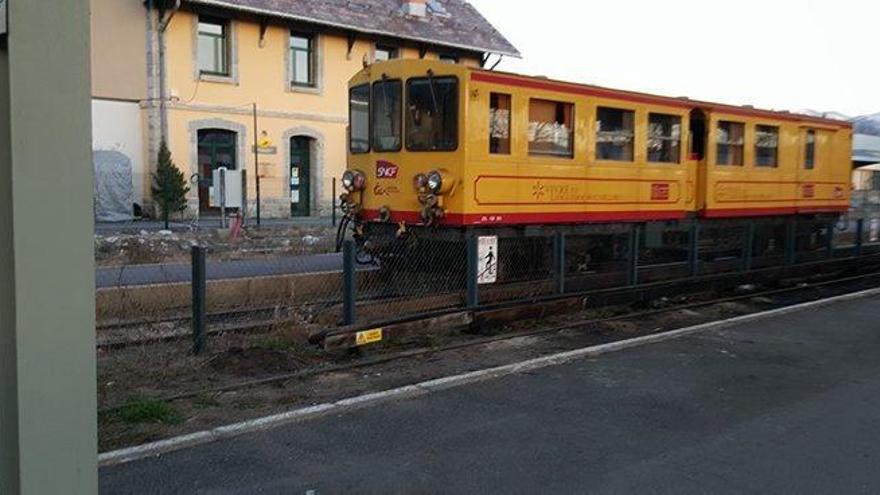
[450,147]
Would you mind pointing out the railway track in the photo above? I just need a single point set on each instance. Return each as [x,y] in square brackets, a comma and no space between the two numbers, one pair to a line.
[771,298]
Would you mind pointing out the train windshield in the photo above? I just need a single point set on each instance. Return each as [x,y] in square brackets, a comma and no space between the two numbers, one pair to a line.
[359,118]
[386,115]
[432,114]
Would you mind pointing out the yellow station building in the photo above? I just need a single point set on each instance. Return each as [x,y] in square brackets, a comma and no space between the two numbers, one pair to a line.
[193,71]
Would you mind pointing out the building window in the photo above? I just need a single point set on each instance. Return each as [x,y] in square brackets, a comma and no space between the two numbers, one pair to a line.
[213,46]
[810,150]
[302,60]
[448,58]
[385,52]
[359,118]
[664,138]
[499,123]
[551,128]
[385,122]
[614,134]
[730,141]
[432,114]
[766,145]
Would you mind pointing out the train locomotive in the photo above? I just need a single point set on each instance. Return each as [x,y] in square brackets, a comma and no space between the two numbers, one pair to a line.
[441,151]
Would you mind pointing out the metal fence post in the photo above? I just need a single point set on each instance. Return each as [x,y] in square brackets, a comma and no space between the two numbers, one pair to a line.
[694,247]
[790,241]
[333,203]
[748,245]
[349,283]
[559,261]
[473,297]
[829,240]
[633,268]
[198,299]
[860,232]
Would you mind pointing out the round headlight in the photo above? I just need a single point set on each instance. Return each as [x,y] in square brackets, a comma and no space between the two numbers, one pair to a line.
[360,180]
[348,179]
[435,181]
[420,181]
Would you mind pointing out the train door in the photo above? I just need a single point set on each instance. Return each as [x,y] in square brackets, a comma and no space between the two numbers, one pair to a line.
[697,153]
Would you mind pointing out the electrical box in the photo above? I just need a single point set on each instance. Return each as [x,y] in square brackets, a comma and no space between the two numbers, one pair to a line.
[227,190]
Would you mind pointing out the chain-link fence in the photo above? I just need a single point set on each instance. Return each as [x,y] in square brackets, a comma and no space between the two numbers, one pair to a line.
[302,284]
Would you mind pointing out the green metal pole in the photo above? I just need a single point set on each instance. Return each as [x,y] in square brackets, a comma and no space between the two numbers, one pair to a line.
[633,268]
[791,241]
[349,282]
[748,245]
[559,261]
[694,248]
[473,293]
[199,291]
[860,234]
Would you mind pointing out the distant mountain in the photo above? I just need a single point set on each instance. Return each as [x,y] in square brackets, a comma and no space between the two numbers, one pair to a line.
[863,124]
[867,124]
[825,115]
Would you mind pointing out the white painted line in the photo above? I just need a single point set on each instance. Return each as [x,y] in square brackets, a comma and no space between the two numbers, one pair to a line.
[264,423]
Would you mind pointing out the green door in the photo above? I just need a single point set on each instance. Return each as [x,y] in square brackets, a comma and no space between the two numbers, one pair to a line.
[300,165]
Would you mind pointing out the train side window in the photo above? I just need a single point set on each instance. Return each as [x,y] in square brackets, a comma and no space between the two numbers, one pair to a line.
[614,134]
[551,128]
[730,139]
[499,123]
[359,118]
[810,150]
[766,146]
[664,138]
[385,110]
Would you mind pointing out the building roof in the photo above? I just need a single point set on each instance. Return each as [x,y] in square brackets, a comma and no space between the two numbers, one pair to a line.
[450,23]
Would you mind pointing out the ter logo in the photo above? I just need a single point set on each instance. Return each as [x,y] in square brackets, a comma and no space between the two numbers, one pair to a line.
[386,170]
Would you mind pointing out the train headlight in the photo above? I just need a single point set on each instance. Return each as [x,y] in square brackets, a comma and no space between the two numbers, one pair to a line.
[420,182]
[353,180]
[435,181]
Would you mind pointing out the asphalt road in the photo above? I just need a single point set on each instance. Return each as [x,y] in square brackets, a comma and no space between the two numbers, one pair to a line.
[159,273]
[785,405]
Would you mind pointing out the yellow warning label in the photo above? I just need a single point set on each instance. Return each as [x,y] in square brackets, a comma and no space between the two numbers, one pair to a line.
[368,336]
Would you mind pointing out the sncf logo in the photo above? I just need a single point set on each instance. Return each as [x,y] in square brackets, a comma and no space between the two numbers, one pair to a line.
[386,170]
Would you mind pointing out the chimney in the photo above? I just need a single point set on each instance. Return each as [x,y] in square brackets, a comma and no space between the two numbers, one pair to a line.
[415,8]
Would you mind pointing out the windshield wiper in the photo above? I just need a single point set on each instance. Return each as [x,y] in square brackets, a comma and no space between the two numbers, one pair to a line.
[433,92]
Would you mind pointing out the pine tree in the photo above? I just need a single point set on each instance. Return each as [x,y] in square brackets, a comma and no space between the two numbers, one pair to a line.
[169,185]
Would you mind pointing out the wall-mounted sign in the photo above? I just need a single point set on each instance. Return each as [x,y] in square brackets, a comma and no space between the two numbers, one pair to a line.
[266,150]
[3,16]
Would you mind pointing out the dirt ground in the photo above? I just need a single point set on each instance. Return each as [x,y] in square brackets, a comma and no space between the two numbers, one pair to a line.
[136,376]
[167,246]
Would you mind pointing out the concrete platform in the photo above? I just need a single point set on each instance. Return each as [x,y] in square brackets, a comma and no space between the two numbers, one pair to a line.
[786,404]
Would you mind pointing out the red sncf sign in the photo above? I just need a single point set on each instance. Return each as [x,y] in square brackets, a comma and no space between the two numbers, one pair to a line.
[659,191]
[386,170]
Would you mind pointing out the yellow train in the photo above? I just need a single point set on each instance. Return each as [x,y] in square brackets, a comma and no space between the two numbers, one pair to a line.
[451,147]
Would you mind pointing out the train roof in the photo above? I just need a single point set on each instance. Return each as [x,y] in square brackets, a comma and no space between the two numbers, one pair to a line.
[537,82]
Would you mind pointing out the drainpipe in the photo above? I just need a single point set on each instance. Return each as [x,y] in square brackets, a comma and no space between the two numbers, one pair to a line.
[164,19]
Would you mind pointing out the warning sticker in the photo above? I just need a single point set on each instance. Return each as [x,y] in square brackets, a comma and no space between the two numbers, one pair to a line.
[487,266]
[368,336]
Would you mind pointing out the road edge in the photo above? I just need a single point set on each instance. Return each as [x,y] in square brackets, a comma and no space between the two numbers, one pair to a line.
[157,448]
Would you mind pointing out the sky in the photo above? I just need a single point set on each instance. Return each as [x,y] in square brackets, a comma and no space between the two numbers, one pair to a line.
[777,54]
